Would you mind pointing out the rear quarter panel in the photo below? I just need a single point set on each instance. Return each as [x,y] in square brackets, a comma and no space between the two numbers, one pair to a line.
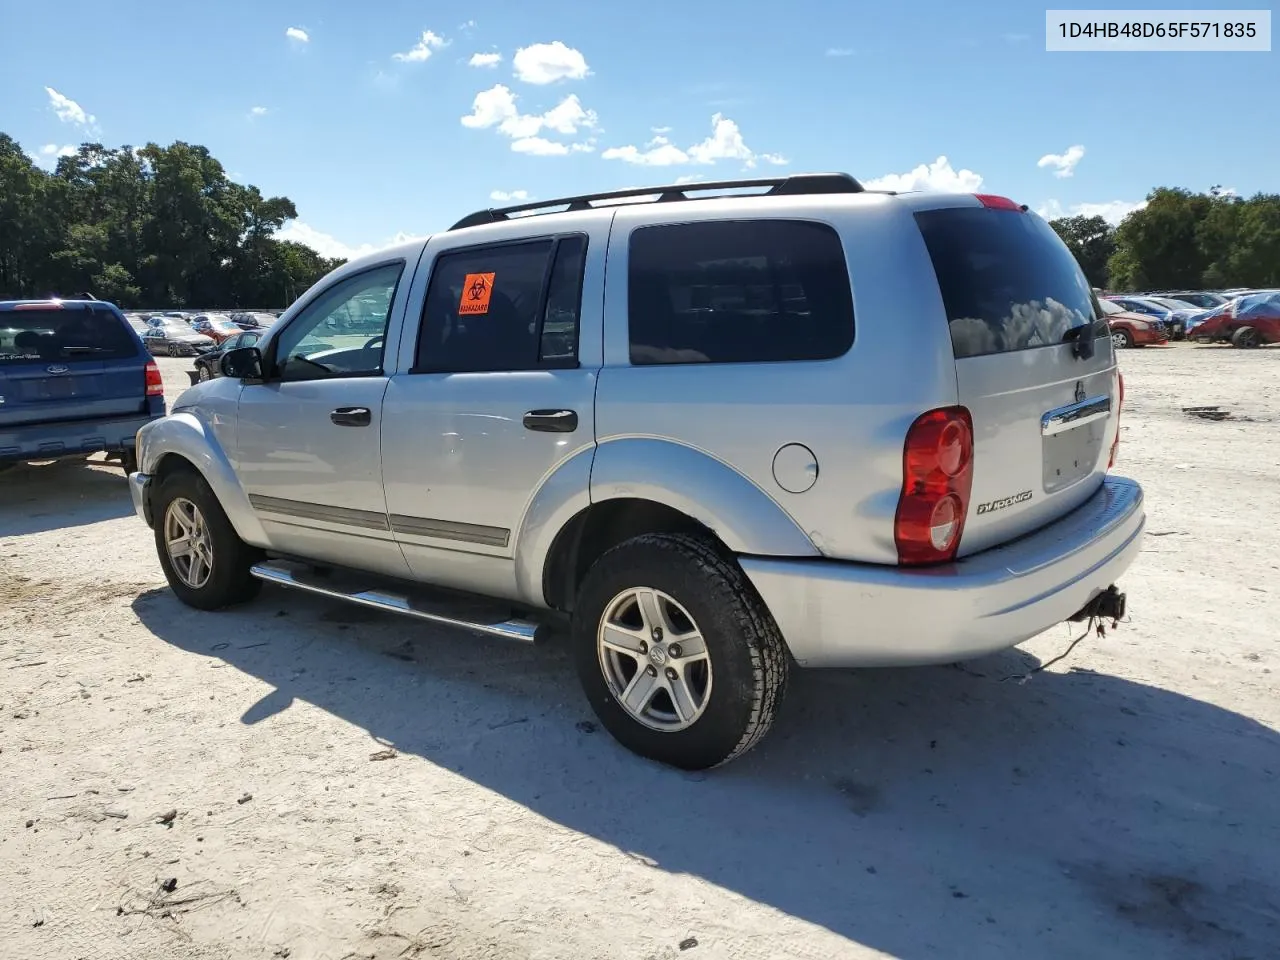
[852,412]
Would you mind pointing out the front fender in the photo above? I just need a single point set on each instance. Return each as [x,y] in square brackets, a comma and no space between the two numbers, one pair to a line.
[742,515]
[187,436]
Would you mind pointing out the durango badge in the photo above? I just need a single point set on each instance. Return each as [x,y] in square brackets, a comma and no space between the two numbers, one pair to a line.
[1003,502]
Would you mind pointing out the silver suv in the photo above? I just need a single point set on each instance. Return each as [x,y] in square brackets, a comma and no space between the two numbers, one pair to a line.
[720,434]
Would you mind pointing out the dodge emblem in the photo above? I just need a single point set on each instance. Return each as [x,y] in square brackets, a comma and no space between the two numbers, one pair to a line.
[57,368]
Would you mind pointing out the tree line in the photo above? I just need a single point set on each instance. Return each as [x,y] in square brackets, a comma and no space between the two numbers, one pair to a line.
[1181,240]
[154,225]
[146,226]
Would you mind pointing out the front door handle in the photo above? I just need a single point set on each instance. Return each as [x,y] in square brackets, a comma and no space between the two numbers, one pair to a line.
[352,416]
[551,421]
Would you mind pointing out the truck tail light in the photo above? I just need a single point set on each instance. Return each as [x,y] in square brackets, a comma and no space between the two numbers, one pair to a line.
[1115,444]
[937,477]
[155,384]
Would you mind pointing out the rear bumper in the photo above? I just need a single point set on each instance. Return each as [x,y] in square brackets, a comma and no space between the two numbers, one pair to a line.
[75,438]
[836,614]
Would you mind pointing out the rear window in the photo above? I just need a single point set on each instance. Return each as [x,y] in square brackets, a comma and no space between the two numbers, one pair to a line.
[1007,281]
[28,336]
[744,291]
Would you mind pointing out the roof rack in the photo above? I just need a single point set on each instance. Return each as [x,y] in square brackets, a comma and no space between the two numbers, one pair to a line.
[800,184]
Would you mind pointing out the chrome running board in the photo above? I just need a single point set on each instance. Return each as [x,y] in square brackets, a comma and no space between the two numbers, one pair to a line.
[356,588]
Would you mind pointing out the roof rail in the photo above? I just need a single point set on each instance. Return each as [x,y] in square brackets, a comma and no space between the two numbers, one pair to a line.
[800,184]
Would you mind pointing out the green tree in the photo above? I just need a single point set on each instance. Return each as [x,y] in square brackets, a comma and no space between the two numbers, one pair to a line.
[145,226]
[1160,242]
[1092,242]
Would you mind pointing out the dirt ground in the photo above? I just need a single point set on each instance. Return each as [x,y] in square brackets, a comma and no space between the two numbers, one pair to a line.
[301,779]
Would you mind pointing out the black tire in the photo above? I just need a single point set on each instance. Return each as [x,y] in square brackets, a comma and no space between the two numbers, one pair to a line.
[1246,338]
[1122,339]
[205,372]
[748,657]
[171,349]
[129,461]
[229,580]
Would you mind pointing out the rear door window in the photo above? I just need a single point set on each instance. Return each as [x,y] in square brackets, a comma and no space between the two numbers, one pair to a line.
[512,306]
[64,335]
[1008,282]
[744,291]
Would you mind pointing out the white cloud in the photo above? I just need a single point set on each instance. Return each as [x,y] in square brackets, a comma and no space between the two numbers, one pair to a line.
[509,196]
[496,107]
[427,44]
[258,112]
[725,143]
[661,131]
[297,33]
[1064,164]
[936,177]
[68,111]
[329,246]
[839,52]
[485,59]
[1112,211]
[657,153]
[47,156]
[539,147]
[543,63]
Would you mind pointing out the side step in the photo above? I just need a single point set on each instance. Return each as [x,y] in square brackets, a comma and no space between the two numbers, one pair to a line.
[356,588]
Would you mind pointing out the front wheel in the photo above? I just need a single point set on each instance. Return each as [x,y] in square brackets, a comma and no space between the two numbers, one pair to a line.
[1121,339]
[205,373]
[677,654]
[204,559]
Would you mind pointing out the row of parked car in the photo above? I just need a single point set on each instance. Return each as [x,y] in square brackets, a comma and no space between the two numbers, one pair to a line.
[1243,318]
[179,334]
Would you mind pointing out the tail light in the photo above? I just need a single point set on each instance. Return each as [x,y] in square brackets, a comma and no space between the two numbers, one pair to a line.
[937,477]
[155,383]
[1115,444]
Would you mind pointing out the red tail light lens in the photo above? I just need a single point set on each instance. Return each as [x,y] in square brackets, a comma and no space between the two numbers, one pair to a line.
[1115,444]
[992,202]
[937,477]
[155,383]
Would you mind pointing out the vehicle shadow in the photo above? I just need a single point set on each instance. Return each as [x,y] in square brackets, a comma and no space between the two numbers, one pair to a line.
[63,493]
[933,812]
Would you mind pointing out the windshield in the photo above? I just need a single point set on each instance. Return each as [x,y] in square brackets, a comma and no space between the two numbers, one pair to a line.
[63,334]
[1109,308]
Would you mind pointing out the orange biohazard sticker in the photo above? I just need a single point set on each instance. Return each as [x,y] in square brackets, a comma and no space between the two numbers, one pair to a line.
[477,288]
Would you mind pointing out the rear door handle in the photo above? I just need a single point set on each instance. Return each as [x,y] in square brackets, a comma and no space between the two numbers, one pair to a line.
[352,416]
[551,421]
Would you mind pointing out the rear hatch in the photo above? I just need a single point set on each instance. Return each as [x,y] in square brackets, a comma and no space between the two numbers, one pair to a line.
[1034,366]
[60,363]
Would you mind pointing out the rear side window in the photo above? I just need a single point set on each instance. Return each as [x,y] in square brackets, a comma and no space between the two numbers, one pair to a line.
[65,336]
[744,291]
[511,306]
[1007,281]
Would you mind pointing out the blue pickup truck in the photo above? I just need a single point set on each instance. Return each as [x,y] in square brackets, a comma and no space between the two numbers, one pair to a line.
[75,379]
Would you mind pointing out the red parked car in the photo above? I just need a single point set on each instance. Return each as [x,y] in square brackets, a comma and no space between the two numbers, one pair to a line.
[1247,322]
[215,325]
[1130,329]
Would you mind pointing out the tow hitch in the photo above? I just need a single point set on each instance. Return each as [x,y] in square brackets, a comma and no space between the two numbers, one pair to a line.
[1108,605]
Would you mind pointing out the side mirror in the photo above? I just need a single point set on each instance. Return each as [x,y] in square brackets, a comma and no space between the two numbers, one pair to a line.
[243,363]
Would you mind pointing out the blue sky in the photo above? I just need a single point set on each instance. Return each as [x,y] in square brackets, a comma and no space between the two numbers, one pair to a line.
[355,111]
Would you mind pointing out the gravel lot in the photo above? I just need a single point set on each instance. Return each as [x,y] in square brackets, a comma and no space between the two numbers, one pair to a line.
[298,778]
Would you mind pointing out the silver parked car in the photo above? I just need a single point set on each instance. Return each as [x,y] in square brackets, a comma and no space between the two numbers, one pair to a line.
[726,435]
[175,338]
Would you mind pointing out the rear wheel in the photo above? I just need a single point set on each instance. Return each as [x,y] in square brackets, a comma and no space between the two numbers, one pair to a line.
[171,348]
[205,373]
[677,655]
[1121,339]
[1246,338]
[204,559]
[129,461]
